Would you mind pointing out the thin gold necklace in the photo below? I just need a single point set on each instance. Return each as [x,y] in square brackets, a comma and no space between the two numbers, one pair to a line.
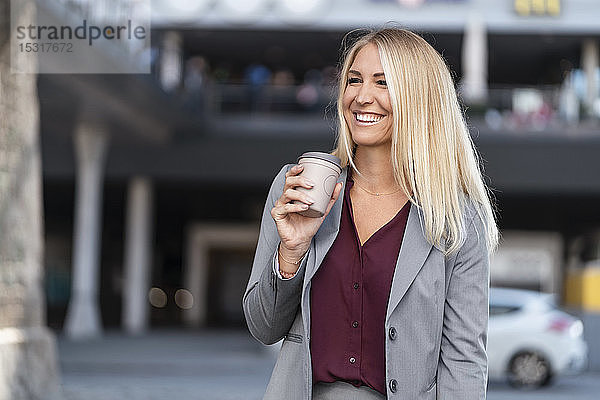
[375,193]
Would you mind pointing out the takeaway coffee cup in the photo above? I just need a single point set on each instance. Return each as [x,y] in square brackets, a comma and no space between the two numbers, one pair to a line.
[323,169]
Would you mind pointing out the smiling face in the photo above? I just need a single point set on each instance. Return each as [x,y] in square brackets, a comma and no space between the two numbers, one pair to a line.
[366,101]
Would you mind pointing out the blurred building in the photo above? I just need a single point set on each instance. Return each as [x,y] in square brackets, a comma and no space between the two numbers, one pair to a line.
[154,184]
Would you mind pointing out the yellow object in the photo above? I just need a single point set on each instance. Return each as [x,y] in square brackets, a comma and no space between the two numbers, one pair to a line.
[582,288]
[522,7]
[537,7]
[553,7]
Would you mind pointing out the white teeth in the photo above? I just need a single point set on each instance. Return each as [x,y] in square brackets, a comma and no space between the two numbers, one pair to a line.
[368,117]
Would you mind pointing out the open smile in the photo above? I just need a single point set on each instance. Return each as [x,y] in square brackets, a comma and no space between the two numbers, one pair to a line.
[367,119]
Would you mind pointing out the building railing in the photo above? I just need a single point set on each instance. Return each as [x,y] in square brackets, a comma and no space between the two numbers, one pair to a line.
[506,107]
[234,98]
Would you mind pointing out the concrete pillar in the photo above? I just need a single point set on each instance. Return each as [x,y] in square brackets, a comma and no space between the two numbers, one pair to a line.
[171,61]
[137,255]
[28,359]
[568,100]
[590,64]
[195,276]
[83,315]
[474,60]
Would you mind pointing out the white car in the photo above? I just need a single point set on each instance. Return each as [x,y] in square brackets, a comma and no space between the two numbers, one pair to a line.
[530,340]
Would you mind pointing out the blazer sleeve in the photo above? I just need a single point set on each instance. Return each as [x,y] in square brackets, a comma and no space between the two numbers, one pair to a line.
[270,303]
[462,367]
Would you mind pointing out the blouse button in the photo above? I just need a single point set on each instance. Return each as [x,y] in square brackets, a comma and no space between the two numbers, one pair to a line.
[355,324]
[356,285]
[352,360]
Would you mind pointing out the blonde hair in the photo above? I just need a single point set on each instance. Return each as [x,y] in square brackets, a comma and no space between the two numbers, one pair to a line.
[433,157]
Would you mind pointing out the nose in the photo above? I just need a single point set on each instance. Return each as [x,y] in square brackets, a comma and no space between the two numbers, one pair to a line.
[364,95]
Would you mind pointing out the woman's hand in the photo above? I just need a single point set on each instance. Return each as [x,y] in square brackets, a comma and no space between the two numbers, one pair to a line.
[295,230]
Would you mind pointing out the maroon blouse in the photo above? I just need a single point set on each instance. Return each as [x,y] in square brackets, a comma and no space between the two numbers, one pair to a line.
[349,295]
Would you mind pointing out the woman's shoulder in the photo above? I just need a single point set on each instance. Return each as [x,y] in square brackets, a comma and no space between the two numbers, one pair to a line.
[469,209]
[474,221]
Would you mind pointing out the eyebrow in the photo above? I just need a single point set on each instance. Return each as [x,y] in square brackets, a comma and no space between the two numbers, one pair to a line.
[376,74]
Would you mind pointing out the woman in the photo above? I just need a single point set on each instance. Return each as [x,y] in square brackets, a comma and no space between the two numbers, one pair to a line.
[386,295]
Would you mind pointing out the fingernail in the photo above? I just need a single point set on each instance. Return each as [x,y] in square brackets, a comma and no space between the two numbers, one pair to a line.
[310,182]
[305,206]
[309,200]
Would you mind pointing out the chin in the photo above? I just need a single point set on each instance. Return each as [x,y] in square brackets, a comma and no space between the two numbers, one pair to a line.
[370,140]
[372,143]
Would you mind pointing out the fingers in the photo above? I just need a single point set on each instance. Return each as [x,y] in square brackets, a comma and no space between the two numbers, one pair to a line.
[280,212]
[292,178]
[294,181]
[295,170]
[284,205]
[292,194]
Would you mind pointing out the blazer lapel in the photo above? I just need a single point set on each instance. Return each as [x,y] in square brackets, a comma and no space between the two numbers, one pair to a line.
[413,253]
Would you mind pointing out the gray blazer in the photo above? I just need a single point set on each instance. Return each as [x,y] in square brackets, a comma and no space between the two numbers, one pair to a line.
[436,320]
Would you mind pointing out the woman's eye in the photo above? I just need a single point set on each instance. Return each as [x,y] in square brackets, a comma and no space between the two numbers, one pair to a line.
[353,80]
[382,82]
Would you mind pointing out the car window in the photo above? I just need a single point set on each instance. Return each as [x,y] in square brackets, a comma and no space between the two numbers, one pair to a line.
[499,309]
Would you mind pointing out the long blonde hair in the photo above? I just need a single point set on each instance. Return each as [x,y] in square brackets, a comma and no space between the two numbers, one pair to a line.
[433,157]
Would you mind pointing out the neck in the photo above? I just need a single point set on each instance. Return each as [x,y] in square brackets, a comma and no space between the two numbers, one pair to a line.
[375,165]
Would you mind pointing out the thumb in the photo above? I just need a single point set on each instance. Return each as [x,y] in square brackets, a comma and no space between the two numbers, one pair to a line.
[336,194]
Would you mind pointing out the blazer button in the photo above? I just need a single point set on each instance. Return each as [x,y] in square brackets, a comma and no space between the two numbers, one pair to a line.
[392,333]
[393,386]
